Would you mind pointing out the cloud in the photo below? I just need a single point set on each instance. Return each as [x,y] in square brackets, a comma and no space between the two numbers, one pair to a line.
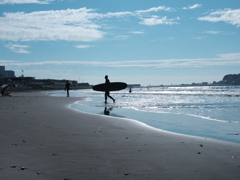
[6,61]
[227,15]
[193,6]
[232,56]
[25,1]
[155,20]
[220,60]
[121,37]
[115,14]
[17,48]
[136,32]
[81,24]
[212,32]
[155,9]
[84,46]
[199,38]
[67,25]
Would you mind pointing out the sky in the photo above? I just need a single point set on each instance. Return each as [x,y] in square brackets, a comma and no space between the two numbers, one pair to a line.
[143,42]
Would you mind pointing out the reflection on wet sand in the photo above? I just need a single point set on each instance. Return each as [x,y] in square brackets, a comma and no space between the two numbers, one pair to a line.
[107,110]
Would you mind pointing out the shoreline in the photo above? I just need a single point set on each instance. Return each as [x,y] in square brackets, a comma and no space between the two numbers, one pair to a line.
[43,138]
[167,121]
[145,125]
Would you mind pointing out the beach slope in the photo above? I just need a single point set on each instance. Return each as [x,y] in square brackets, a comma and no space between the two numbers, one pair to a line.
[42,138]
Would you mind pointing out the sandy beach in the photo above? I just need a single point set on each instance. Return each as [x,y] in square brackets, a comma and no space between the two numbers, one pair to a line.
[42,138]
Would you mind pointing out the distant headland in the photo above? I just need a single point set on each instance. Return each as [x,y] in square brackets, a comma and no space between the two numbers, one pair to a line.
[232,79]
[228,80]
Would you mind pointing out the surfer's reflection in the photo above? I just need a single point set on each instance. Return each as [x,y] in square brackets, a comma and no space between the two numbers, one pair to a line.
[107,110]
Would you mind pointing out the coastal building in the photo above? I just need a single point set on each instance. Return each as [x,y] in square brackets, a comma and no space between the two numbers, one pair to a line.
[83,86]
[17,81]
[58,84]
[9,74]
[8,77]
[2,71]
[6,73]
[55,82]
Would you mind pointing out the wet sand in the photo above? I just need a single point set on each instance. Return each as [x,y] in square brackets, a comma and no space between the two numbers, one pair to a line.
[42,138]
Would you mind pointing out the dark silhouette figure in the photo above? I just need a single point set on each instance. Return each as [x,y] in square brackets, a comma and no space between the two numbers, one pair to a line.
[107,110]
[4,92]
[107,92]
[67,87]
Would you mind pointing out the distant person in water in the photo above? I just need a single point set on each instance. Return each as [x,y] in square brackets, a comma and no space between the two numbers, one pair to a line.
[107,92]
[67,87]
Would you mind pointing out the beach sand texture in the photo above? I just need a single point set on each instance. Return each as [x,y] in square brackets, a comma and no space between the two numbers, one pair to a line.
[42,138]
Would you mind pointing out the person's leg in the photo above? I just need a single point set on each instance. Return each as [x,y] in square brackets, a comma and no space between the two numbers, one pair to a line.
[111,98]
[106,97]
[67,92]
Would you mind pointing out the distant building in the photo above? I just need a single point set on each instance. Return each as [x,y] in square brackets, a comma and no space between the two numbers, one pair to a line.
[9,74]
[56,81]
[57,84]
[6,73]
[83,84]
[2,71]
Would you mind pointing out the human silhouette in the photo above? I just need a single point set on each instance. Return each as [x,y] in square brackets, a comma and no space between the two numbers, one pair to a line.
[4,92]
[67,87]
[106,111]
[107,92]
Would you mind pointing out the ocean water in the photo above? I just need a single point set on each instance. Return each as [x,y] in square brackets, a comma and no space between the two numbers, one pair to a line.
[211,112]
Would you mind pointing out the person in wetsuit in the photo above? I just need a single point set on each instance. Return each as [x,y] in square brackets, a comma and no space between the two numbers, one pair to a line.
[107,92]
[67,87]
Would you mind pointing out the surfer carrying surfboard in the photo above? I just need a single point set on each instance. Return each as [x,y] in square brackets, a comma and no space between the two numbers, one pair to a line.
[107,92]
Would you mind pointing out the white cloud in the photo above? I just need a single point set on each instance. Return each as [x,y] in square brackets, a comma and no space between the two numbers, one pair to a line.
[25,1]
[212,32]
[136,32]
[193,6]
[155,20]
[220,60]
[232,56]
[84,46]
[155,9]
[68,25]
[121,37]
[227,15]
[6,61]
[115,14]
[18,48]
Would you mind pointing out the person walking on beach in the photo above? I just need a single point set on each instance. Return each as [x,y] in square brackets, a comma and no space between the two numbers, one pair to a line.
[107,92]
[67,87]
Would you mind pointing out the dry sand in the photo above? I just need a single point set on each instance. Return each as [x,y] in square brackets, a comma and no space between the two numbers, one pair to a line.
[42,138]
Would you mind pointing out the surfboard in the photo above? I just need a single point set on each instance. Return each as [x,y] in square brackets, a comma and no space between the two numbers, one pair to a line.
[113,86]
